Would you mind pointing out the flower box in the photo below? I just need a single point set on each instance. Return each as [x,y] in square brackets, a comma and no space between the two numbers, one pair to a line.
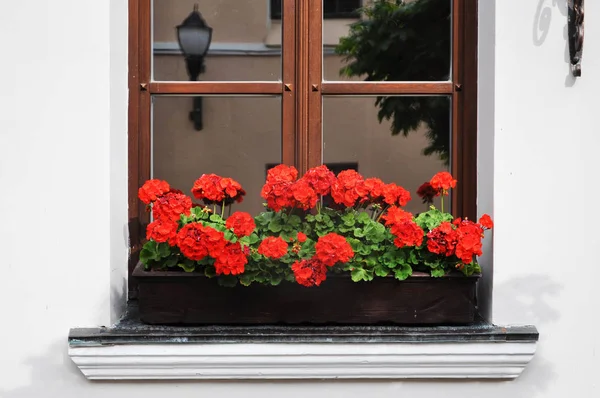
[362,260]
[180,298]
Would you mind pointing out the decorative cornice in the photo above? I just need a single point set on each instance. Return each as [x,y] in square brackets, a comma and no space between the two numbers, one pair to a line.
[456,360]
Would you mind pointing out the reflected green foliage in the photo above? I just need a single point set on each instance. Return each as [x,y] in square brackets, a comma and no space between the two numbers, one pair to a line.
[405,41]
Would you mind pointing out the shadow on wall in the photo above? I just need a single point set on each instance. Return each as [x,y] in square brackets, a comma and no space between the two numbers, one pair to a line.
[541,27]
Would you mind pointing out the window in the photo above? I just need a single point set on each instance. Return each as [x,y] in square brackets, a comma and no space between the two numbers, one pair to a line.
[331,9]
[401,105]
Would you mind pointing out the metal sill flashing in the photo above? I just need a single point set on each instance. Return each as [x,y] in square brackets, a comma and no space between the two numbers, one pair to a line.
[131,350]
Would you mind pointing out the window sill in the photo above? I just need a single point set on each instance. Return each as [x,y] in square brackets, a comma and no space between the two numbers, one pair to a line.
[134,351]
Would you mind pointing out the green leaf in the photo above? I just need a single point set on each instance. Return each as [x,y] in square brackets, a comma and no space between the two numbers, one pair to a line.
[348,219]
[171,261]
[358,274]
[149,252]
[438,272]
[275,226]
[187,266]
[403,272]
[364,218]
[381,270]
[163,250]
[210,272]
[216,218]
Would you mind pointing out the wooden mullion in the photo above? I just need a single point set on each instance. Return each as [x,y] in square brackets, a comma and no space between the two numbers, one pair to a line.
[455,152]
[288,105]
[468,109]
[302,84]
[382,88]
[229,88]
[132,141]
[314,153]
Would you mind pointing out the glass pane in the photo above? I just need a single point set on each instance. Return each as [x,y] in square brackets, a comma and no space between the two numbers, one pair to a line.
[244,44]
[408,146]
[240,136]
[392,40]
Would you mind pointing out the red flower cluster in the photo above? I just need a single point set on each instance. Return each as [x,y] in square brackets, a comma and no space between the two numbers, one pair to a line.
[153,189]
[171,206]
[426,192]
[197,241]
[320,179]
[375,188]
[277,189]
[395,195]
[402,226]
[309,272]
[348,188]
[442,182]
[333,248]
[231,260]
[301,237]
[273,248]
[162,230]
[212,188]
[241,223]
[486,222]
[469,241]
[442,240]
[304,196]
[282,190]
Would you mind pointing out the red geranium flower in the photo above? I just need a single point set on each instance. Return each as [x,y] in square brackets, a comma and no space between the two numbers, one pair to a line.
[469,236]
[305,197]
[231,260]
[273,248]
[171,206]
[152,189]
[442,240]
[375,187]
[348,188]
[395,195]
[333,248]
[162,230]
[232,190]
[277,189]
[443,181]
[197,241]
[208,188]
[320,179]
[427,192]
[402,226]
[309,272]
[396,215]
[301,237]
[486,222]
[241,223]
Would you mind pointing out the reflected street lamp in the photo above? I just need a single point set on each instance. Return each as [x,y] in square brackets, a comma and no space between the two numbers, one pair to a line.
[194,36]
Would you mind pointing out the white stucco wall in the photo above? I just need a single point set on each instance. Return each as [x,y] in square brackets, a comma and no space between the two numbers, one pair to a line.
[63,204]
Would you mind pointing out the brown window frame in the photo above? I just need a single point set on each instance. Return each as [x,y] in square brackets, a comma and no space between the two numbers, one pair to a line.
[275,10]
[301,89]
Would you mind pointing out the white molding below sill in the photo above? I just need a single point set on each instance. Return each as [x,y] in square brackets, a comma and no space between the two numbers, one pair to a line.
[451,360]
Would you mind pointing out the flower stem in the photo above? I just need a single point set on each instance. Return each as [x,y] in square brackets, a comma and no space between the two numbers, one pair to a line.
[442,201]
[223,209]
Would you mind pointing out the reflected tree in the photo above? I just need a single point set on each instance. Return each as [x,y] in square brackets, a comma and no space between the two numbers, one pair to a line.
[404,40]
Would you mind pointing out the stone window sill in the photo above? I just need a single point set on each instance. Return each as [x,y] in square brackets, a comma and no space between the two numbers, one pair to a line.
[134,351]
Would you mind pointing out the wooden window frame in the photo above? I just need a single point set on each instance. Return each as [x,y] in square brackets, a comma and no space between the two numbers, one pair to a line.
[275,11]
[302,88]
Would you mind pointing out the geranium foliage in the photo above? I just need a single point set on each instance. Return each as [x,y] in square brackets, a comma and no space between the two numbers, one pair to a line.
[296,239]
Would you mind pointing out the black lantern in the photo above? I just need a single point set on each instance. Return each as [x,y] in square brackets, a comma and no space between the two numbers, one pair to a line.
[194,37]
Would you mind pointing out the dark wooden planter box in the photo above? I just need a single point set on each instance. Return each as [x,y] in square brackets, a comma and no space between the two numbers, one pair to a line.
[175,298]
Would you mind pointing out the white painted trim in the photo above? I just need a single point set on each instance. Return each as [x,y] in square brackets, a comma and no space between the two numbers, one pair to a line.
[490,360]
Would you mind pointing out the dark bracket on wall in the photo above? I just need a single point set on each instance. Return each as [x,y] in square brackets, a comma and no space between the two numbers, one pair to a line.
[575,32]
